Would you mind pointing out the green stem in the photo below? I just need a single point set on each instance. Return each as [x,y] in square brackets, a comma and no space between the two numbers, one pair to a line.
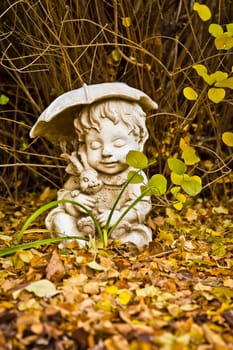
[11,250]
[106,227]
[144,193]
[54,204]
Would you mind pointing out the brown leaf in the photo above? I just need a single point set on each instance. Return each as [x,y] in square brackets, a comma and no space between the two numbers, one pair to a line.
[55,268]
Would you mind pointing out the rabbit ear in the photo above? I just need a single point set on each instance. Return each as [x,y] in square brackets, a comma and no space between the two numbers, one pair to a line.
[83,156]
[74,166]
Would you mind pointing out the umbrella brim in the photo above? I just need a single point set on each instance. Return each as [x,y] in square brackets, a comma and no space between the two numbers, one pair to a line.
[56,121]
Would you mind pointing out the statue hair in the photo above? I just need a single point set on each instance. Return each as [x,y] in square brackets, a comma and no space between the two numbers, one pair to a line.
[117,110]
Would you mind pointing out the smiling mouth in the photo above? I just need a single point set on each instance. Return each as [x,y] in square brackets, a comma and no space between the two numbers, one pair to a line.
[109,164]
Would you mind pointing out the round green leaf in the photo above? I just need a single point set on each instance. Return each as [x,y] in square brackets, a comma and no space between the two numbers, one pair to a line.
[176,179]
[227,83]
[176,165]
[215,30]
[158,184]
[227,138]
[137,159]
[216,95]
[224,42]
[190,94]
[202,10]
[134,177]
[191,184]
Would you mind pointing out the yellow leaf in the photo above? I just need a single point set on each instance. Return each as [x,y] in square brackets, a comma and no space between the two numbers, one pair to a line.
[189,156]
[126,21]
[124,296]
[227,138]
[104,304]
[224,42]
[215,30]
[230,28]
[202,10]
[200,69]
[190,93]
[216,95]
[226,83]
[111,289]
[116,55]
[182,144]
[181,197]
[178,205]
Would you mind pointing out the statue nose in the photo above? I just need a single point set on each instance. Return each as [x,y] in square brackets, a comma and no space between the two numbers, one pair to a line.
[107,151]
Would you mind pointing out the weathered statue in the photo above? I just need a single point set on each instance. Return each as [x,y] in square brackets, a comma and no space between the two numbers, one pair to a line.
[106,121]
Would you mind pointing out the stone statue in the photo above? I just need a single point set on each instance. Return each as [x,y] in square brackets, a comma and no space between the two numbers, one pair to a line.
[106,121]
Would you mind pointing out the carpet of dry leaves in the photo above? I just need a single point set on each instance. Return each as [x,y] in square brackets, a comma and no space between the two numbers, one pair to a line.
[175,294]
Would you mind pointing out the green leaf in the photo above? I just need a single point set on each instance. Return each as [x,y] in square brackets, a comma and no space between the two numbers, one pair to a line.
[190,93]
[216,95]
[202,10]
[227,138]
[176,165]
[126,21]
[176,179]
[191,184]
[42,288]
[215,30]
[189,156]
[224,42]
[158,184]
[134,177]
[200,69]
[4,99]
[137,159]
[227,83]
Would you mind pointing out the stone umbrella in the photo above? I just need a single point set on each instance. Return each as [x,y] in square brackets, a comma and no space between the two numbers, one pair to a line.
[56,121]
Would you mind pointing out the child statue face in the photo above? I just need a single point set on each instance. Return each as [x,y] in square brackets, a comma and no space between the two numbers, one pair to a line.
[107,149]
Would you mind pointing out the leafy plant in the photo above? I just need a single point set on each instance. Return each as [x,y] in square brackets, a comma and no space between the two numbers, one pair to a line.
[190,184]
[155,186]
[219,80]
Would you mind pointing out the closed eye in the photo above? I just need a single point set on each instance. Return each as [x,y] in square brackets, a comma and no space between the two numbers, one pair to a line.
[95,145]
[119,143]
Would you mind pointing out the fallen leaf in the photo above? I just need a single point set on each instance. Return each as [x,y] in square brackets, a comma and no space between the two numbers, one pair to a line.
[42,288]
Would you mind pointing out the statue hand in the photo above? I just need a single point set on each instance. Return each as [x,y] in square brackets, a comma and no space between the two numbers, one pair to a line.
[85,200]
[103,217]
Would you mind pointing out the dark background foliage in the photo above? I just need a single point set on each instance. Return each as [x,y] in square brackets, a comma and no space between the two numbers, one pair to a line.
[49,47]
